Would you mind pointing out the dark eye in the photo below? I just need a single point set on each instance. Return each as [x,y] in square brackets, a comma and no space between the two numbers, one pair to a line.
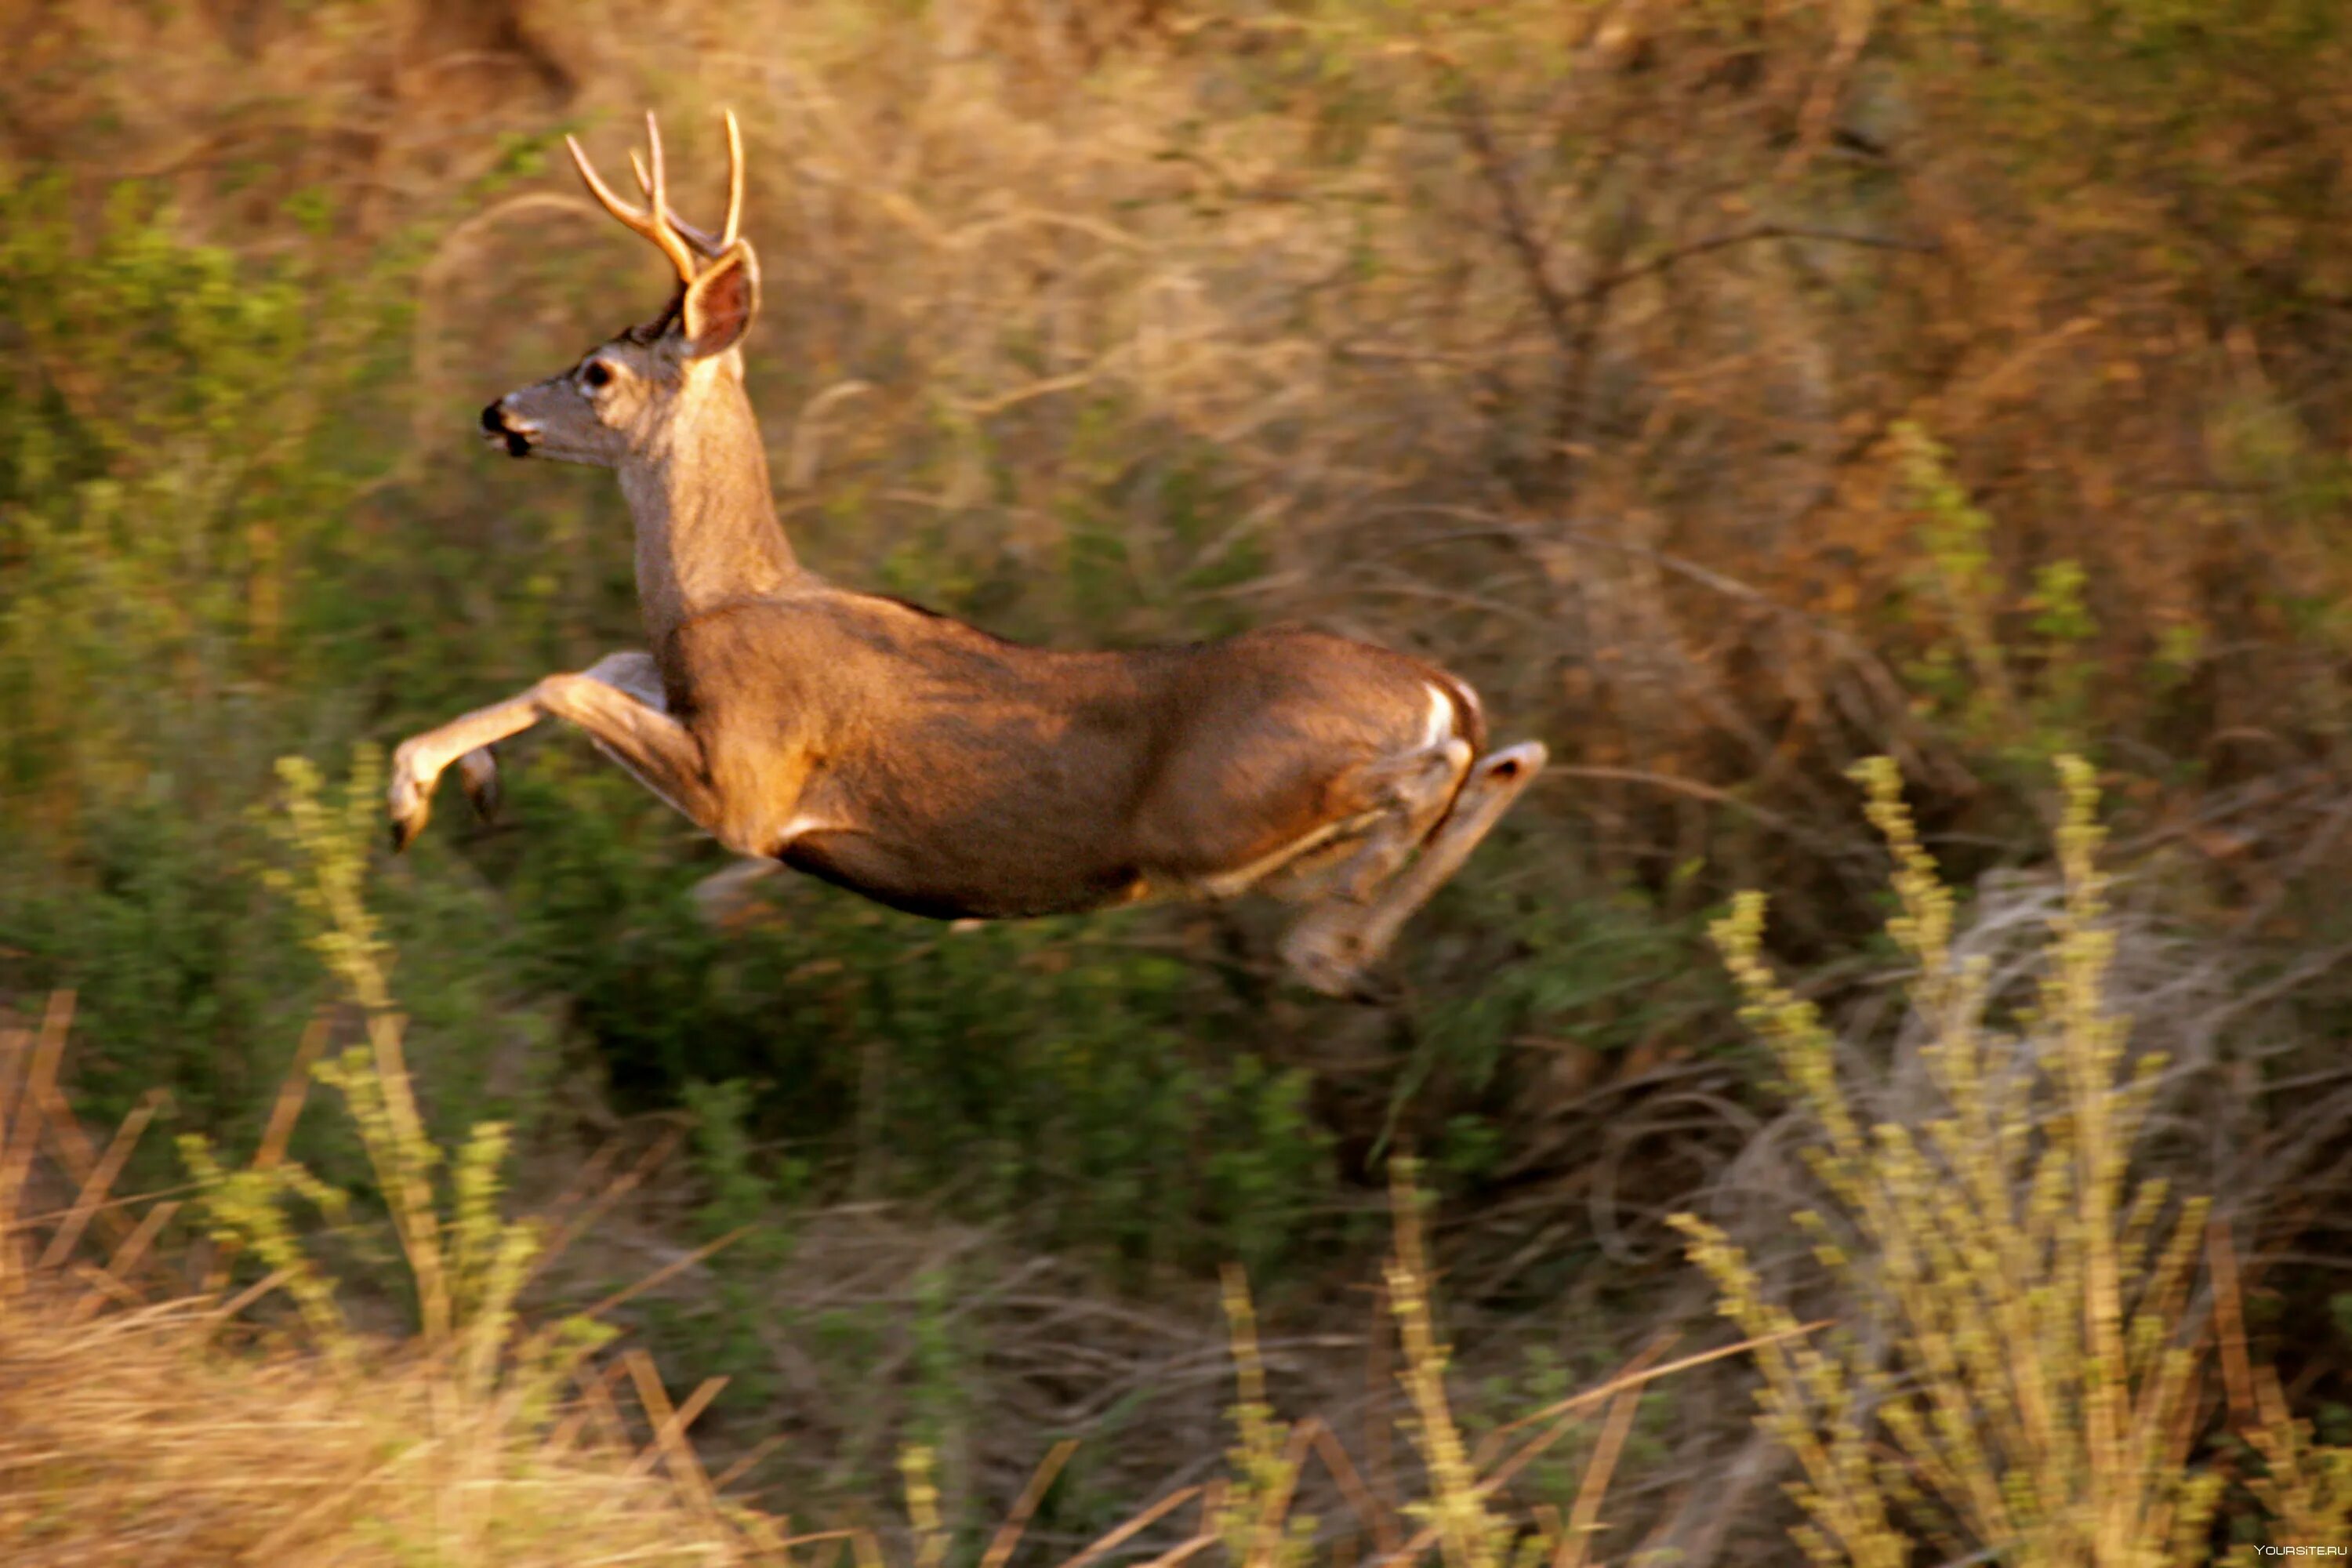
[597,374]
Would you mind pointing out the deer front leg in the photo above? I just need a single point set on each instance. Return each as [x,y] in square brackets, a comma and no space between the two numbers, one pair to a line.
[637,734]
[634,673]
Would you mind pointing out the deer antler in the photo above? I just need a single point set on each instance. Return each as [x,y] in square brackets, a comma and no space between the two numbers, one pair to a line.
[700,238]
[652,222]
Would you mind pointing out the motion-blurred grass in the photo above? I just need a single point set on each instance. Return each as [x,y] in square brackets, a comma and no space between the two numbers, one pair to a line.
[1731,391]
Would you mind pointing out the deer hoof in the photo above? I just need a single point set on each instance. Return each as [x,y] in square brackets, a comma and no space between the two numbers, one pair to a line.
[479,771]
[409,799]
[1328,957]
[405,830]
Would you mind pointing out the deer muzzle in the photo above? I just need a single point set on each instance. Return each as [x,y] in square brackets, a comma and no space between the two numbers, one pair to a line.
[499,429]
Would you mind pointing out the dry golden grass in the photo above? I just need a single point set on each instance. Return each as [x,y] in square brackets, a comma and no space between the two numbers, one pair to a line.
[142,1420]
[151,1413]
[136,1435]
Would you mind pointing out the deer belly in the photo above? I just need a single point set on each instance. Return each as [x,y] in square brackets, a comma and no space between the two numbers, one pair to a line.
[944,887]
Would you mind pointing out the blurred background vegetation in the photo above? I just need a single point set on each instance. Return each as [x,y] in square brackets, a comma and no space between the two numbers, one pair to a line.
[1731,390]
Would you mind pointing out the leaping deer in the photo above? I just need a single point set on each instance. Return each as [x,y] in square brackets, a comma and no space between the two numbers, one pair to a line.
[923,762]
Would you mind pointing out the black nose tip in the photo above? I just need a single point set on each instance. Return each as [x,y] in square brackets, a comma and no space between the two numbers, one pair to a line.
[495,425]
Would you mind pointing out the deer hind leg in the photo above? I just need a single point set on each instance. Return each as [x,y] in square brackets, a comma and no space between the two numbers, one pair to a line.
[726,900]
[1352,856]
[1351,925]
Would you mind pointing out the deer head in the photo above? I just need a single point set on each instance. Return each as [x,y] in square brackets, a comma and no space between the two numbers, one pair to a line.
[626,398]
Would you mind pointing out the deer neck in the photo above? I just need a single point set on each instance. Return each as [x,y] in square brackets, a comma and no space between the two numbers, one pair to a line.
[707,528]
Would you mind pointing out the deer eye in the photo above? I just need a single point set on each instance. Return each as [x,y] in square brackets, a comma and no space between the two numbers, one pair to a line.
[597,374]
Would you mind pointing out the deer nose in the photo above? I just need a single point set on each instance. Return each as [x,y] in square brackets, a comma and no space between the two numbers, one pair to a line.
[495,426]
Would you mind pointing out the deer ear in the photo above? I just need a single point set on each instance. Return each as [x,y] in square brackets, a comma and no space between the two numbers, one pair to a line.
[720,303]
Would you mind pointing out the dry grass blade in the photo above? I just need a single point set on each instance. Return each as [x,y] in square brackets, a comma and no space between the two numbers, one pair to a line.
[1267,1539]
[112,1283]
[292,1091]
[1136,1526]
[12,1058]
[20,1134]
[745,1465]
[669,1425]
[252,1293]
[2229,1324]
[1182,1554]
[1008,1535]
[668,1271]
[81,1160]
[597,1407]
[103,1286]
[1576,1544]
[99,1180]
[1629,1380]
[1352,1486]
[111,1206]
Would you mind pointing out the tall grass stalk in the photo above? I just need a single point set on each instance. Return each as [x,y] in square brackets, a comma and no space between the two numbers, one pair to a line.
[2018,1373]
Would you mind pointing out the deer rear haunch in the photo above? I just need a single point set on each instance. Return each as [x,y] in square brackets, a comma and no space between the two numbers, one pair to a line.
[921,761]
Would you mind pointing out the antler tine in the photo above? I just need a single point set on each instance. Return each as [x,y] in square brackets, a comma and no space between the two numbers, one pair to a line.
[660,191]
[734,181]
[649,223]
[701,239]
[670,240]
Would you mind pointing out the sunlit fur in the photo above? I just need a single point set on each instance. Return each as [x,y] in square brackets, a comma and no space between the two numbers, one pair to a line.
[931,766]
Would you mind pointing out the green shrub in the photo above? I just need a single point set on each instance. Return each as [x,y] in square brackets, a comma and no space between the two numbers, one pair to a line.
[2017,1367]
